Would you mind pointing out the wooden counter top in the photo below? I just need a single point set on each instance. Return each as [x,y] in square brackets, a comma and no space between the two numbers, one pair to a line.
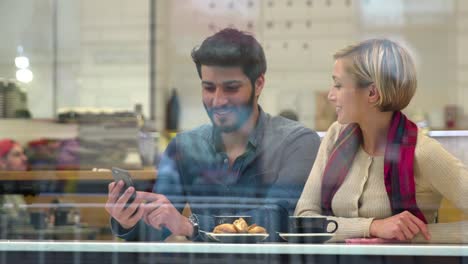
[147,174]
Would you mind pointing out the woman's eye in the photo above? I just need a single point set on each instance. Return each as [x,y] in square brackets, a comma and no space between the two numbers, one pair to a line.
[337,86]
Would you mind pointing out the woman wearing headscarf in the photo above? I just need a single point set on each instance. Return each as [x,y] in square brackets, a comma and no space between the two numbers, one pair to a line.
[12,156]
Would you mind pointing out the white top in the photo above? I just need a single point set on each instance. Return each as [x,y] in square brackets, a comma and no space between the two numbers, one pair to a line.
[218,248]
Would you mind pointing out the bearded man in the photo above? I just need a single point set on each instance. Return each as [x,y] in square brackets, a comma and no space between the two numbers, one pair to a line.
[246,162]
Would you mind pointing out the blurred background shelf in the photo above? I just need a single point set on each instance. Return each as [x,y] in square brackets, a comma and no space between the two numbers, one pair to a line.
[138,175]
[79,191]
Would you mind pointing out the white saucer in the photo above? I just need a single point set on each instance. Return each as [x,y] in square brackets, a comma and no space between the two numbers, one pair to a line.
[306,237]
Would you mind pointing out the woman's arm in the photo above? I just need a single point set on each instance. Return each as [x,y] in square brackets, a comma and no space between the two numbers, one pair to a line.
[446,174]
[449,177]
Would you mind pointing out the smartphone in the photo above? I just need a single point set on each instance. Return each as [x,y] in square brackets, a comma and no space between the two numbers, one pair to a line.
[121,174]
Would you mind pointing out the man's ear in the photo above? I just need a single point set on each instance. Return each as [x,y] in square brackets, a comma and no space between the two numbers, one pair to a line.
[259,83]
[374,95]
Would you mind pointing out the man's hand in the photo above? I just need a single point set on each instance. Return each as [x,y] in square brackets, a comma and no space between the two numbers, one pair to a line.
[160,212]
[129,216]
[403,226]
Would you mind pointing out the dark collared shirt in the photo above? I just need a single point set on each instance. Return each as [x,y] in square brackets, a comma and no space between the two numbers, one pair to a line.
[266,181]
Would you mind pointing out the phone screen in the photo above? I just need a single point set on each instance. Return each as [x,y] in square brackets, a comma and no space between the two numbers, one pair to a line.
[121,174]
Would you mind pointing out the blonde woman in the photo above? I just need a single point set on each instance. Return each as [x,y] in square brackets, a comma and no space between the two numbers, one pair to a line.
[376,174]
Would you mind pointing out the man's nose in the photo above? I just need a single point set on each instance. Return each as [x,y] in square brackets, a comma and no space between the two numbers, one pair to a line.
[220,98]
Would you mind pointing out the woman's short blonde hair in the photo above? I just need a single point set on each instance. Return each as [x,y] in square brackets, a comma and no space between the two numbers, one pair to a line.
[387,65]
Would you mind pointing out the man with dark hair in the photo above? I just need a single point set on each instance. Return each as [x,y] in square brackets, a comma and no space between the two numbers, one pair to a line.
[245,162]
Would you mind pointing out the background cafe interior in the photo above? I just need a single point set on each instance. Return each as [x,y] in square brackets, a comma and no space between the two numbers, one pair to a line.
[94,84]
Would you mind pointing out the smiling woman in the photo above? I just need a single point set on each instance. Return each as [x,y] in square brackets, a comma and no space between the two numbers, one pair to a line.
[376,173]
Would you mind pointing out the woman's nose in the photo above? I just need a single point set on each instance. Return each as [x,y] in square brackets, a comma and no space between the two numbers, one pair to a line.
[331,95]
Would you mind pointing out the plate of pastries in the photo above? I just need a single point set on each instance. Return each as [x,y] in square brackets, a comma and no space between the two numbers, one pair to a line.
[239,231]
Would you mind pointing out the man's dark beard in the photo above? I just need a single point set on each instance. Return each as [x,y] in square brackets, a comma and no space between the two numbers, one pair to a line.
[243,113]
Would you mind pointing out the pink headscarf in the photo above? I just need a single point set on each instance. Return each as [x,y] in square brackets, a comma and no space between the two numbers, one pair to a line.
[5,146]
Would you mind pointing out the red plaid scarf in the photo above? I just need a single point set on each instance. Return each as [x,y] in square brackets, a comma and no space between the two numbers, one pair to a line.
[398,165]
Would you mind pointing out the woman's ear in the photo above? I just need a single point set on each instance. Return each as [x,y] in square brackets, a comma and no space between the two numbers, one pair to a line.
[374,95]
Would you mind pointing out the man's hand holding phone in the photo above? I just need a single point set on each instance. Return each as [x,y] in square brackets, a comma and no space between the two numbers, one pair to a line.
[118,206]
[127,206]
[122,201]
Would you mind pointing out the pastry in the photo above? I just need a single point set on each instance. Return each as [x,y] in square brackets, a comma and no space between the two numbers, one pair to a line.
[241,225]
[225,228]
[255,229]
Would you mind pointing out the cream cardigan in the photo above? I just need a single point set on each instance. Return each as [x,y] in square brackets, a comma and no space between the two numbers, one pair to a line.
[362,196]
